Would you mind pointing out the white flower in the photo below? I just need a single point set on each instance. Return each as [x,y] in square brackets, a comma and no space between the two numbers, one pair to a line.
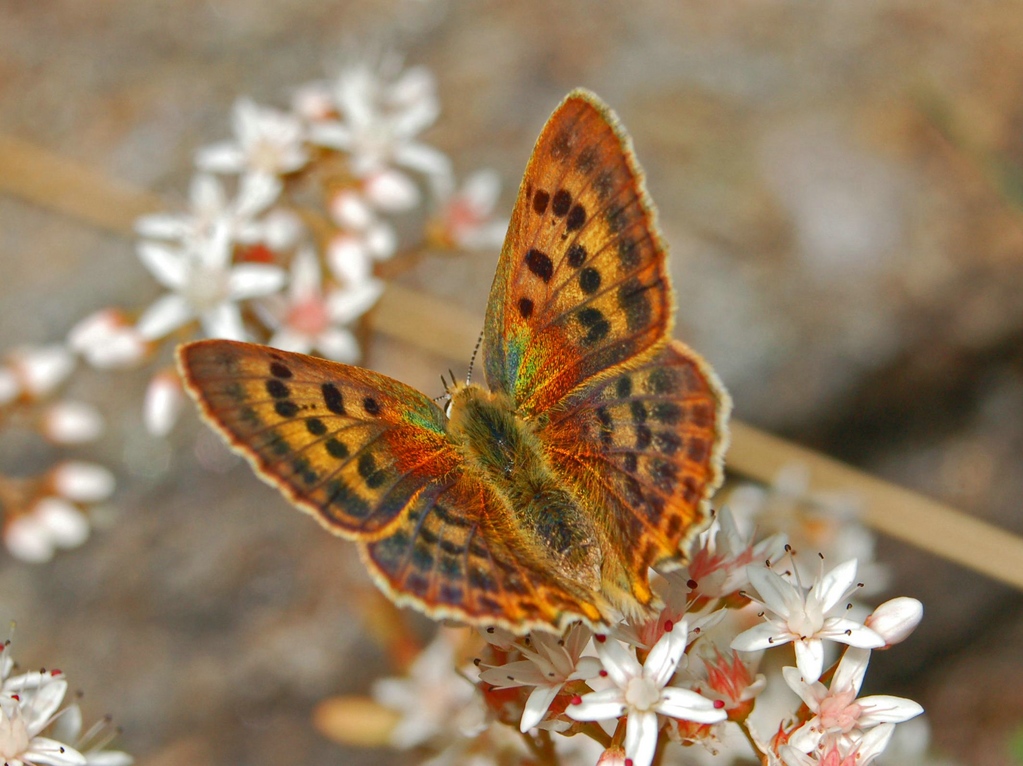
[26,709]
[550,663]
[163,402]
[10,388]
[806,616]
[82,482]
[434,699]
[310,319]
[382,109]
[641,692]
[466,217]
[828,522]
[107,340]
[861,752]
[49,524]
[204,284]
[209,207]
[39,370]
[837,713]
[67,422]
[267,143]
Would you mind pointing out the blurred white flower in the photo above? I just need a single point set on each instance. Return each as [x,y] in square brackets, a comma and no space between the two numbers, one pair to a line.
[466,217]
[49,524]
[10,388]
[163,402]
[310,318]
[210,207]
[382,109]
[82,482]
[364,237]
[204,284]
[107,340]
[267,143]
[434,699]
[39,370]
[67,422]
[824,522]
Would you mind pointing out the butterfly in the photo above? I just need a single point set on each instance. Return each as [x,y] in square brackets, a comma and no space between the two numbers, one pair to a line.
[546,497]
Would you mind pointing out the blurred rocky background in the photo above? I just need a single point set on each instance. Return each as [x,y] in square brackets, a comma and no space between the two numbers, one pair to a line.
[842,188]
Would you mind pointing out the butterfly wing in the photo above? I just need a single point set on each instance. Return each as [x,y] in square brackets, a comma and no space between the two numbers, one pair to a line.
[581,285]
[370,459]
[644,450]
[351,447]
[451,556]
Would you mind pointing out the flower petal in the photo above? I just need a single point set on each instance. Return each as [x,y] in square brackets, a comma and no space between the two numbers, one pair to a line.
[224,321]
[778,594]
[251,280]
[339,344]
[849,632]
[810,658]
[885,708]
[663,659]
[851,669]
[835,585]
[689,706]
[537,705]
[167,266]
[620,663]
[221,157]
[641,737]
[895,619]
[810,693]
[165,315]
[604,705]
[50,752]
[759,637]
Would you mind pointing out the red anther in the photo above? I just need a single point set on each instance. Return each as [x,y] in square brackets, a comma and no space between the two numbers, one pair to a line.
[55,672]
[668,626]
[602,673]
[692,584]
[628,762]
[577,700]
[600,638]
[15,697]
[719,704]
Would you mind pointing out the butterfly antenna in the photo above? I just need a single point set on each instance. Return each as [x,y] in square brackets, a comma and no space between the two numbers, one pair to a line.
[472,361]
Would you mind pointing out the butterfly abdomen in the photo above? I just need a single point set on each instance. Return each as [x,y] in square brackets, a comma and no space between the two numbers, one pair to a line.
[503,448]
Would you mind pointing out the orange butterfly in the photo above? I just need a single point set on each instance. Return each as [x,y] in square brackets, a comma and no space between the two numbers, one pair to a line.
[545,499]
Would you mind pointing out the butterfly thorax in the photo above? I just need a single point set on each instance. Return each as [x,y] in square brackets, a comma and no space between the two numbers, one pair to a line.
[501,446]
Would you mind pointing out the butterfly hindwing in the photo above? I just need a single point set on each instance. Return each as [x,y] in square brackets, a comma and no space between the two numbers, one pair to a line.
[350,446]
[645,449]
[581,284]
[450,557]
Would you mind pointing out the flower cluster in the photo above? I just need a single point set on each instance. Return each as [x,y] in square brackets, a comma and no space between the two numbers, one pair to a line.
[45,512]
[291,227]
[687,675]
[35,730]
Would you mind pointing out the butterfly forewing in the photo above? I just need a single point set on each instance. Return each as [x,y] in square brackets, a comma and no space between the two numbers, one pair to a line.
[581,285]
[350,446]
[644,449]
